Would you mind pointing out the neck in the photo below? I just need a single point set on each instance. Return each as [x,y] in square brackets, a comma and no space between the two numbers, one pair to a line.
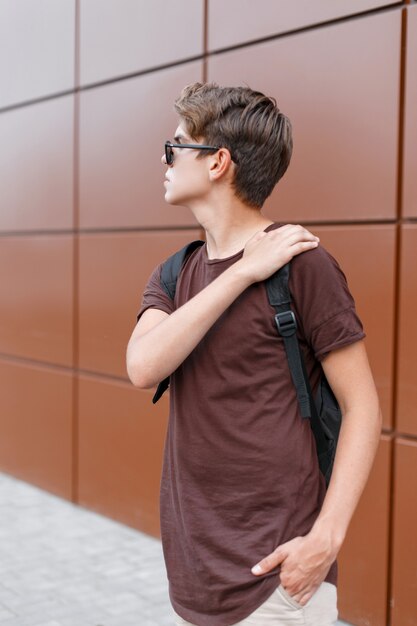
[228,226]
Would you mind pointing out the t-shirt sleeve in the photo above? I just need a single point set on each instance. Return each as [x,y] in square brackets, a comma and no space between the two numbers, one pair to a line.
[154,297]
[324,306]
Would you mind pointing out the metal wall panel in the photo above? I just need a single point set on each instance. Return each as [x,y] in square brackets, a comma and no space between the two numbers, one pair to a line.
[403,598]
[37,43]
[410,120]
[127,36]
[238,21]
[36,426]
[36,166]
[36,273]
[406,377]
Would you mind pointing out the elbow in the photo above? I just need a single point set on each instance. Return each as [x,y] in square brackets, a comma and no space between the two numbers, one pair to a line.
[139,375]
[139,380]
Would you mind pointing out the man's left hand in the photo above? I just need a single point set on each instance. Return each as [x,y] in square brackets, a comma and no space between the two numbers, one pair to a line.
[305,562]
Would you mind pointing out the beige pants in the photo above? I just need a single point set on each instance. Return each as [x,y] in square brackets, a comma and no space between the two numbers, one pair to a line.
[281,610]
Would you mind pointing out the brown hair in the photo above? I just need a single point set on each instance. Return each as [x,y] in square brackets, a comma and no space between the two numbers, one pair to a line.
[247,123]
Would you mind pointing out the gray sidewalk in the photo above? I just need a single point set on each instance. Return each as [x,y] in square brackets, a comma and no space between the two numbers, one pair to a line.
[61,565]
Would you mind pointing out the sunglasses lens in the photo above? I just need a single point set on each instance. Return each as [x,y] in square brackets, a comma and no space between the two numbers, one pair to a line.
[169,154]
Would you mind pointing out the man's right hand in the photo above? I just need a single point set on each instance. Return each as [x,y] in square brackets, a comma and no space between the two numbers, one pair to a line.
[266,252]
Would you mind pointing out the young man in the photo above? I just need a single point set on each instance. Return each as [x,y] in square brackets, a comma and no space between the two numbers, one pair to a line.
[250,534]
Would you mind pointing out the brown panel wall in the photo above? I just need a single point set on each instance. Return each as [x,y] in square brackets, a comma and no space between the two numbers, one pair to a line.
[123,129]
[367,256]
[363,561]
[407,381]
[410,120]
[36,273]
[36,425]
[403,594]
[36,166]
[127,36]
[232,22]
[37,49]
[121,438]
[323,84]
[114,270]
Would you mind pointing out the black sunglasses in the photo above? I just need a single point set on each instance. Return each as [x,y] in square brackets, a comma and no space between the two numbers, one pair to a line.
[169,152]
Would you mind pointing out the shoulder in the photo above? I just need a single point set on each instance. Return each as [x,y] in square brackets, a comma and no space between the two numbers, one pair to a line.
[323,302]
[318,274]
[316,260]
[154,297]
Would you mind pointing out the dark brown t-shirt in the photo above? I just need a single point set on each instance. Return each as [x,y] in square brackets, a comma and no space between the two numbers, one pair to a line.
[240,473]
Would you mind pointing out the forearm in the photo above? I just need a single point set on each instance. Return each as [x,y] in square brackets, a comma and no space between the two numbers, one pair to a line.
[156,354]
[357,446]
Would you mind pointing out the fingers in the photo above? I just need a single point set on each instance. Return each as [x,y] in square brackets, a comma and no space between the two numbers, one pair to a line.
[294,238]
[294,233]
[269,562]
[303,596]
[303,246]
[297,239]
[289,235]
[266,252]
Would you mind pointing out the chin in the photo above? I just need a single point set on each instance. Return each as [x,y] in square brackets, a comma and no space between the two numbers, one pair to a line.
[174,200]
[169,199]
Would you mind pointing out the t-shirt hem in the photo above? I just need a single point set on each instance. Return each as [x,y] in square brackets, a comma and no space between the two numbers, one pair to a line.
[346,341]
[232,617]
[159,307]
[235,616]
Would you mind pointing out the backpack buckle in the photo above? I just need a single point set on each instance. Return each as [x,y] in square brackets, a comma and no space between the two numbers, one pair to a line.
[286,323]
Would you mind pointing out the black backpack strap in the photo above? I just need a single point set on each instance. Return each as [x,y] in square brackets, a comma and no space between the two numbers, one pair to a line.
[280,298]
[172,267]
[322,443]
[324,413]
[169,276]
[160,390]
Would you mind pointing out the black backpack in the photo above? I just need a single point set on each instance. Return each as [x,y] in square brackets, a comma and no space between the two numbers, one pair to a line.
[323,411]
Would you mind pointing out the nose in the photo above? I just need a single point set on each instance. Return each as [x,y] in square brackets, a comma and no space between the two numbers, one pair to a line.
[163,160]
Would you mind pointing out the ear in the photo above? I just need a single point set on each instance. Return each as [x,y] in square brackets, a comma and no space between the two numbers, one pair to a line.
[220,164]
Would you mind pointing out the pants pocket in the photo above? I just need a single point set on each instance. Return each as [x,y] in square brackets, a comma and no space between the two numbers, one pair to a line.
[321,609]
[289,599]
